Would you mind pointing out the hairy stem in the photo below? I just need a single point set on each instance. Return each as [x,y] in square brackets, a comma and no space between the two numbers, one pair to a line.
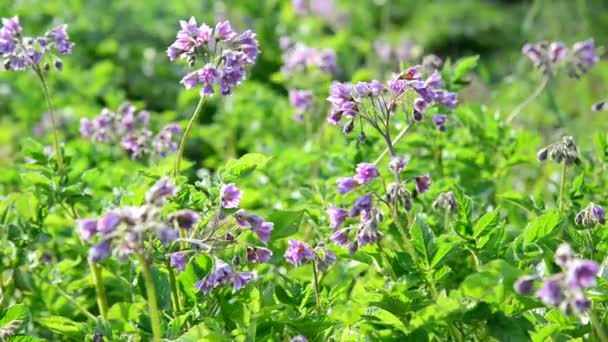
[597,326]
[174,291]
[102,302]
[395,141]
[562,187]
[75,303]
[47,97]
[151,294]
[315,281]
[527,101]
[182,143]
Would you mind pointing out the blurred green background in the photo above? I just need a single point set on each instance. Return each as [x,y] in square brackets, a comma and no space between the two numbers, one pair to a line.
[120,54]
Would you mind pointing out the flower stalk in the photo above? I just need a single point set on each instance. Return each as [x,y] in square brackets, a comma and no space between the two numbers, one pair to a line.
[182,144]
[47,97]
[151,294]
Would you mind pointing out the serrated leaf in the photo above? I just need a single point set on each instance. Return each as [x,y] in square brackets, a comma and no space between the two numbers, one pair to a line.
[422,238]
[486,223]
[286,222]
[542,226]
[238,168]
[16,312]
[62,325]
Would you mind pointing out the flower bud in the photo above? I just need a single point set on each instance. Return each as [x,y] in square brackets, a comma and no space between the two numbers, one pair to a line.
[362,137]
[348,128]
[524,285]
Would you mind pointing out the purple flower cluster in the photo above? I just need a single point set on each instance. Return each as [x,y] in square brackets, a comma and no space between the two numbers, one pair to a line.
[591,216]
[301,100]
[350,101]
[322,8]
[565,289]
[219,55]
[223,274]
[258,225]
[19,52]
[404,51]
[548,56]
[230,196]
[130,127]
[300,253]
[299,57]
[366,230]
[366,172]
[125,228]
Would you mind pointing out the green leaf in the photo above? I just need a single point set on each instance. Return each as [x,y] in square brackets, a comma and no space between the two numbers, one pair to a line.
[384,317]
[17,312]
[443,249]
[463,66]
[24,338]
[542,226]
[465,204]
[286,222]
[422,238]
[238,168]
[486,223]
[36,178]
[206,331]
[62,325]
[195,270]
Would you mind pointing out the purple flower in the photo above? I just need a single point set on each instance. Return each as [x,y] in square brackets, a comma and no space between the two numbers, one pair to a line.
[166,235]
[223,31]
[580,303]
[325,258]
[524,285]
[59,35]
[557,52]
[190,80]
[178,260]
[230,196]
[239,280]
[366,235]
[582,273]
[160,191]
[87,228]
[420,105]
[346,184]
[397,165]
[376,87]
[301,100]
[423,183]
[12,25]
[533,52]
[366,172]
[99,251]
[221,275]
[340,237]
[299,338]
[563,255]
[397,86]
[258,254]
[362,90]
[186,219]
[363,203]
[439,120]
[337,215]
[339,93]
[334,117]
[598,214]
[551,292]
[298,253]
[108,223]
[263,231]
[585,54]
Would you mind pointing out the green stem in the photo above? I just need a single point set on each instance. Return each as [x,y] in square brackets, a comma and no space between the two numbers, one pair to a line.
[151,294]
[173,284]
[315,281]
[562,187]
[47,97]
[394,142]
[529,100]
[75,303]
[182,143]
[100,290]
[597,326]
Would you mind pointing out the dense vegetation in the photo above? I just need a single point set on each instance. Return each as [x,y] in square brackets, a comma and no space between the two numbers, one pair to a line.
[303,170]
